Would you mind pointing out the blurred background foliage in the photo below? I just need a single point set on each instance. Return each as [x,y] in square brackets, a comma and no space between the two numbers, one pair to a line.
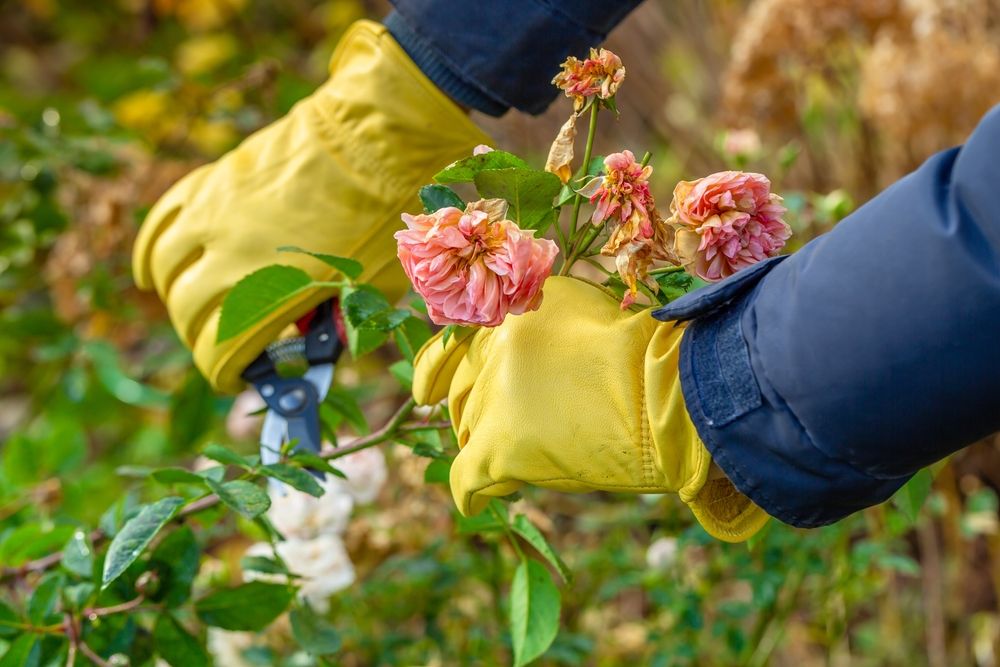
[104,104]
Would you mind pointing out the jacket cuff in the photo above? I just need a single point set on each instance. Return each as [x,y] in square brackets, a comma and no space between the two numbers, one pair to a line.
[749,430]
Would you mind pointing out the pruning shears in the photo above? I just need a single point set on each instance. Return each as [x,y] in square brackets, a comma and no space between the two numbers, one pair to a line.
[293,402]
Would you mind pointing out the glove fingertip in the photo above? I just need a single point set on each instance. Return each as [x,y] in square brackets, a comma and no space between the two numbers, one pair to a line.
[434,367]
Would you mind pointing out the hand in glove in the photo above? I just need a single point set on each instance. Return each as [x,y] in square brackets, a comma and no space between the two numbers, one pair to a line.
[576,396]
[332,176]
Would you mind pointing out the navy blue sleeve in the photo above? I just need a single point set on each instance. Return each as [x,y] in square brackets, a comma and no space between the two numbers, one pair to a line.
[492,56]
[822,381]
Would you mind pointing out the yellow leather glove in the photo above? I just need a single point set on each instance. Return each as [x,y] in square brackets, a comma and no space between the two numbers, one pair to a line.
[576,396]
[332,176]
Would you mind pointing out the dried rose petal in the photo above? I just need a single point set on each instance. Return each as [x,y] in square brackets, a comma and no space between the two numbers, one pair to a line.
[560,160]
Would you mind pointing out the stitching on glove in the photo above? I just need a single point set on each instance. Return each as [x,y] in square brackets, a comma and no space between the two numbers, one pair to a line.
[645,439]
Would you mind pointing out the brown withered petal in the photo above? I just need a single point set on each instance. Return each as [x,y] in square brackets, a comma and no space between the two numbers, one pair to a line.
[560,160]
[495,209]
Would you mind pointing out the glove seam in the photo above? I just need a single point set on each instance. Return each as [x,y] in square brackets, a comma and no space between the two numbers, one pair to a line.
[645,442]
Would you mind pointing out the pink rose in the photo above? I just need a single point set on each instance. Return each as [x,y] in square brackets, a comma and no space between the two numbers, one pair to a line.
[726,222]
[598,76]
[474,267]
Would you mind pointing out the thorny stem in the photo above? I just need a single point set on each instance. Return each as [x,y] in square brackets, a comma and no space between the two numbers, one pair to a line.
[387,432]
[89,652]
[379,436]
[578,198]
[91,614]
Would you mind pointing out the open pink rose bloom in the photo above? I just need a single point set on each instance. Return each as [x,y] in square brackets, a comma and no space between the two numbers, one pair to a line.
[726,222]
[473,267]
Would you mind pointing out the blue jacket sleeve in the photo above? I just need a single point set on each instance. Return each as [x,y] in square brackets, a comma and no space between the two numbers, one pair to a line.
[492,56]
[822,381]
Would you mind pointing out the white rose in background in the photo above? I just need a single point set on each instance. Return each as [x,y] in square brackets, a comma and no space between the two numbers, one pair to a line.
[298,515]
[662,553]
[227,647]
[322,563]
[366,473]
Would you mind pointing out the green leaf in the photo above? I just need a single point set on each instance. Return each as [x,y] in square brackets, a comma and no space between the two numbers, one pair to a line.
[107,366]
[456,330]
[359,303]
[437,471]
[78,555]
[402,370]
[263,564]
[314,462]
[349,268]
[250,607]
[534,611]
[366,308]
[118,514]
[294,477]
[344,403]
[9,620]
[176,646]
[435,197]
[428,444]
[225,455]
[484,522]
[176,560]
[245,497]
[177,476]
[313,633]
[911,497]
[136,535]
[675,283]
[529,192]
[76,596]
[523,527]
[258,295]
[26,651]
[465,170]
[32,540]
[410,336]
[192,411]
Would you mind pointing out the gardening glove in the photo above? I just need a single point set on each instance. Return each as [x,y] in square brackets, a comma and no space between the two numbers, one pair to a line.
[576,396]
[332,176]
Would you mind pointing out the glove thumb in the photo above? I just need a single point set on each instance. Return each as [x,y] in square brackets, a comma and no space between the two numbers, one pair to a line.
[472,483]
[435,366]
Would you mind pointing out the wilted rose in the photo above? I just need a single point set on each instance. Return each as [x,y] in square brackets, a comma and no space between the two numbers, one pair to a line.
[623,189]
[473,267]
[635,245]
[596,77]
[726,222]
[638,234]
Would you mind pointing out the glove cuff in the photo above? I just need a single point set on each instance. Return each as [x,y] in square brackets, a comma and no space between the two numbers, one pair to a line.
[724,512]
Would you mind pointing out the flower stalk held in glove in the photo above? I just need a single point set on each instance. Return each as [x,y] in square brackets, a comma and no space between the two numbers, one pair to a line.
[476,263]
